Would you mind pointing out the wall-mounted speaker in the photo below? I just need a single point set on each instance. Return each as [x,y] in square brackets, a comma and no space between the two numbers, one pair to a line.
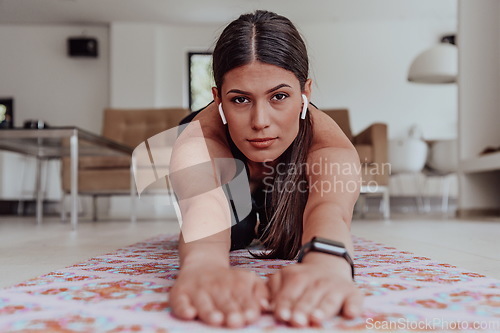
[83,47]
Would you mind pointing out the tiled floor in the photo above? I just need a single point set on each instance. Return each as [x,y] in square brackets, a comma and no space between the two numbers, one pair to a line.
[28,250]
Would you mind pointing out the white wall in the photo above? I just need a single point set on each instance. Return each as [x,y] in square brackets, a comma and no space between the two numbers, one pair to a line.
[479,76]
[178,41]
[479,116]
[149,63]
[134,61]
[46,83]
[363,65]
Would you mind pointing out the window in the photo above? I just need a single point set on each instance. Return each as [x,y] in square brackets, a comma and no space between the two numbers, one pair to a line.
[6,112]
[200,79]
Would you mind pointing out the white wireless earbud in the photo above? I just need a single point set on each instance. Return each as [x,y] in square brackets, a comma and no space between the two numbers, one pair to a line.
[221,112]
[304,108]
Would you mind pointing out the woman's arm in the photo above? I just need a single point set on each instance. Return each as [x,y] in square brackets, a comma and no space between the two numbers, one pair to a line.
[205,216]
[333,193]
[206,287]
[209,250]
[334,176]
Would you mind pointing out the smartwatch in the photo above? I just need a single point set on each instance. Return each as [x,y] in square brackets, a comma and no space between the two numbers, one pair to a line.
[318,244]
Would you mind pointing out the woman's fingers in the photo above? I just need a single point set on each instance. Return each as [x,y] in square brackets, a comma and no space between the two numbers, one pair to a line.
[329,306]
[306,304]
[352,305]
[262,294]
[307,295]
[292,287]
[229,307]
[229,297]
[236,301]
[333,303]
[237,298]
[207,312]
[245,291]
[183,308]
[251,308]
[274,284]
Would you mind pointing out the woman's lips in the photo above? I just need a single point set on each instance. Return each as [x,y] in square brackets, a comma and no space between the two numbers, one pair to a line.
[261,142]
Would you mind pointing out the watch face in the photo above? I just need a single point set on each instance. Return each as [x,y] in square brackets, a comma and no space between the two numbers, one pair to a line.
[327,245]
[329,241]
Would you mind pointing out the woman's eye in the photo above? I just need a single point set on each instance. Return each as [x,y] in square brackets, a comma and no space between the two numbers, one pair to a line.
[279,97]
[240,100]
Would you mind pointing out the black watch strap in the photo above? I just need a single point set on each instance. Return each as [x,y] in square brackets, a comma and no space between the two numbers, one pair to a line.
[318,244]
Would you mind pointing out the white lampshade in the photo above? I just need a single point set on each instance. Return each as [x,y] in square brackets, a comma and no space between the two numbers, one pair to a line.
[439,64]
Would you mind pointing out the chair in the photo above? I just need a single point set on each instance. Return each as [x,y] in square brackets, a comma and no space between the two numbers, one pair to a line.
[442,163]
[407,157]
[371,145]
[110,175]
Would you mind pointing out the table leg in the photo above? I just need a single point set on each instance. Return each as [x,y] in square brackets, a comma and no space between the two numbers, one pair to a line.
[133,195]
[74,179]
[39,192]
[387,204]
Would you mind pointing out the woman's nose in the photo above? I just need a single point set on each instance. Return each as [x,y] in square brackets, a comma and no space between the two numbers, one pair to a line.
[260,117]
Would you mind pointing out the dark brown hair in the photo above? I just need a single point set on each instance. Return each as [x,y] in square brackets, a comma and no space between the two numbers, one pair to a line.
[272,39]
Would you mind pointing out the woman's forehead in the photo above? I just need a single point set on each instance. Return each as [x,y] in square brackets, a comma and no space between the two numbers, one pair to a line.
[259,76]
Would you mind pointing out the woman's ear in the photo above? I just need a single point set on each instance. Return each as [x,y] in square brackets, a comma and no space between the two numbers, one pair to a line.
[307,89]
[215,94]
[218,102]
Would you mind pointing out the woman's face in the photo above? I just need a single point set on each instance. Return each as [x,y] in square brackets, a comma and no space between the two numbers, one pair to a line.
[262,104]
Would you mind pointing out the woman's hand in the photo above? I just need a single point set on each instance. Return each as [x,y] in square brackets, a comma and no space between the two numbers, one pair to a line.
[219,296]
[315,290]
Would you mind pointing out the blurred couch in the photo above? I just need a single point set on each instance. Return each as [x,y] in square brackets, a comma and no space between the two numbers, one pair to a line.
[371,145]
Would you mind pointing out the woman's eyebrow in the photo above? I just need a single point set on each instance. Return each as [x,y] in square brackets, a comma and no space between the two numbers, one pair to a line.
[237,91]
[279,86]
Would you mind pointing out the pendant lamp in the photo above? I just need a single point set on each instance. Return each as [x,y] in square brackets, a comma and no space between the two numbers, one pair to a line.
[437,65]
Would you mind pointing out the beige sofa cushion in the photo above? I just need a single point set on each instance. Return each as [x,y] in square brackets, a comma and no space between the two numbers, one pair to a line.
[103,181]
[103,162]
[132,126]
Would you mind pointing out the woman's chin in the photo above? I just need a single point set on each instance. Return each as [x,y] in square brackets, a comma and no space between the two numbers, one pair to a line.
[261,157]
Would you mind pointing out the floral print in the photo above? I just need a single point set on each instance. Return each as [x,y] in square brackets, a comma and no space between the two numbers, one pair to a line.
[127,291]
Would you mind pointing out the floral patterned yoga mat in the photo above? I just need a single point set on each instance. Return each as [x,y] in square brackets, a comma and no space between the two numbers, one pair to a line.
[127,291]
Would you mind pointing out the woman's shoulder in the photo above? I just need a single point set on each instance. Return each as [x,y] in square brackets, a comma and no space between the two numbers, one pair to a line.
[208,125]
[326,132]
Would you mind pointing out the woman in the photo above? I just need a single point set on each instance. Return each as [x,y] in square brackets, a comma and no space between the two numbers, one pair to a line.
[296,159]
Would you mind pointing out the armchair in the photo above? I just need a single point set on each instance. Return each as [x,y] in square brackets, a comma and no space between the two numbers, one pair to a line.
[110,175]
[372,146]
